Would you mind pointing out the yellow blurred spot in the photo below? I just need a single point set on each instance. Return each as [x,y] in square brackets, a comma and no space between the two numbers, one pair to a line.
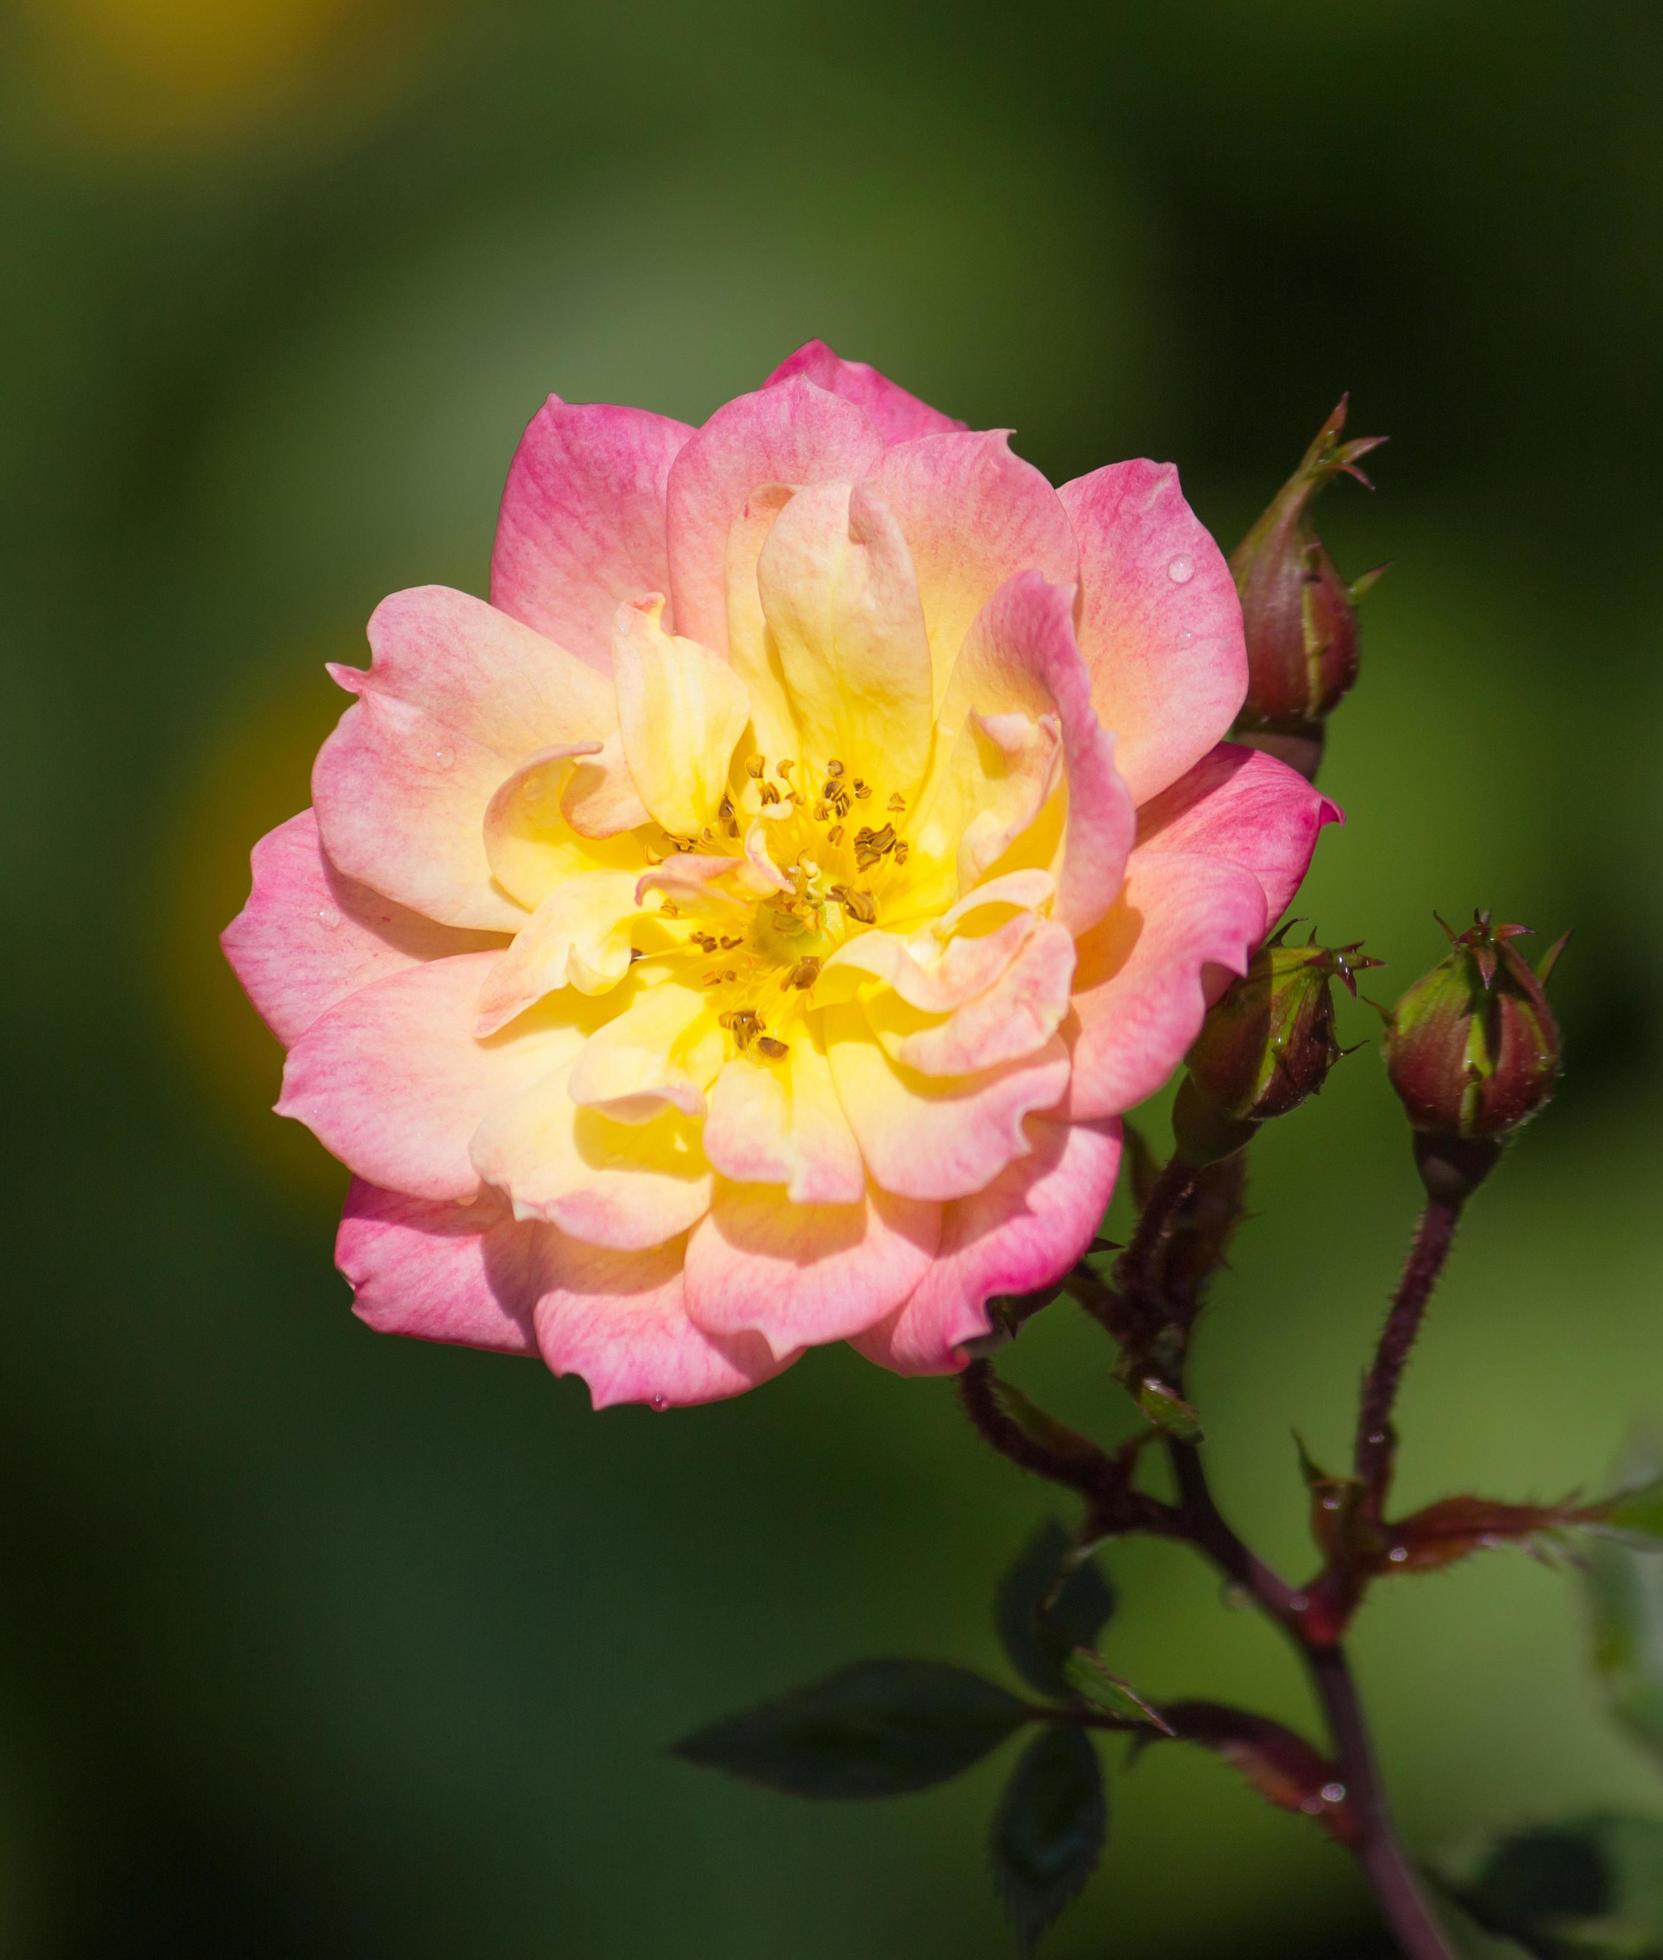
[174,77]
[254,772]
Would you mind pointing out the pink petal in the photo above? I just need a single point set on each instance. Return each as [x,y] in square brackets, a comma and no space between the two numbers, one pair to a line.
[458,696]
[440,1272]
[619,1319]
[1016,1015]
[1021,653]
[795,433]
[973,516]
[582,523]
[802,1275]
[308,937]
[894,413]
[1160,625]
[930,1136]
[392,1081]
[1147,974]
[1243,805]
[1021,1234]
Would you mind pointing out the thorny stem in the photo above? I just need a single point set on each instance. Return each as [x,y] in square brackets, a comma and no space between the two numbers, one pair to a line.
[1433,1238]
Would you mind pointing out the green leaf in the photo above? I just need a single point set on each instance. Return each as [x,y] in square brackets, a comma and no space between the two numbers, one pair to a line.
[1051,1601]
[1108,1694]
[1637,1510]
[1593,1887]
[1624,1589]
[1048,1830]
[876,1729]
[1168,1410]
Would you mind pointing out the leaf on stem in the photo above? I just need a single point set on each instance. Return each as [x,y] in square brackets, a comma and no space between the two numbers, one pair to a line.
[1456,1527]
[1168,1410]
[1048,1830]
[1053,1599]
[1109,1695]
[1575,1891]
[876,1729]
[1283,1767]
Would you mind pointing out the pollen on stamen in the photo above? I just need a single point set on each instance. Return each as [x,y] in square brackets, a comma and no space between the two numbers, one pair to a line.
[835,834]
[834,767]
[784,766]
[803,974]
[755,765]
[897,802]
[776,1051]
[862,790]
[769,792]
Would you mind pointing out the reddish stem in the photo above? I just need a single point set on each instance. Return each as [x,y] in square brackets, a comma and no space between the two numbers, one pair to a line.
[1375,1442]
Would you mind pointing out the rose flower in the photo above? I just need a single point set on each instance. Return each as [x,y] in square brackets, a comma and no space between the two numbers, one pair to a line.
[746,931]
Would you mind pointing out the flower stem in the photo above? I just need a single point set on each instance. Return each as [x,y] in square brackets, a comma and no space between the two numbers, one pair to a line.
[1375,1443]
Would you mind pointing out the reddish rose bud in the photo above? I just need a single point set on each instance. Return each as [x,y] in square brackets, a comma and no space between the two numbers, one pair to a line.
[1299,614]
[1473,1052]
[1267,1044]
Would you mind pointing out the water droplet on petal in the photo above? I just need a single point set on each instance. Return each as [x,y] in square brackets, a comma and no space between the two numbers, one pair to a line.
[1333,1793]
[328,917]
[1182,569]
[1186,638]
[661,1403]
[444,758]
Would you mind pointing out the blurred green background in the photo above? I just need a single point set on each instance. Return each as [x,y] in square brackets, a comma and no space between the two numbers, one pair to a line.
[316,1643]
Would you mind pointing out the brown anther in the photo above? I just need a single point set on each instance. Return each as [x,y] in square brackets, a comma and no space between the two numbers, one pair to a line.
[821,813]
[862,790]
[784,767]
[670,909]
[724,809]
[754,765]
[729,974]
[770,793]
[743,1023]
[776,1051]
[897,802]
[835,834]
[834,767]
[729,941]
[635,953]
[858,904]
[803,974]
[902,849]
[713,978]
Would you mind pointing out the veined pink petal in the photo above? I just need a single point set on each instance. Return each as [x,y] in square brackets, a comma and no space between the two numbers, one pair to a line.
[841,603]
[896,415]
[795,433]
[619,1319]
[1016,1015]
[627,1185]
[934,1136]
[1147,974]
[392,1081]
[1021,654]
[1159,621]
[1021,1234]
[804,1274]
[440,1272]
[308,937]
[459,694]
[973,516]
[582,526]
[1241,804]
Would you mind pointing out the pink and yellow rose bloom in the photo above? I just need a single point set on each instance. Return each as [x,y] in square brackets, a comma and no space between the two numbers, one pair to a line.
[746,931]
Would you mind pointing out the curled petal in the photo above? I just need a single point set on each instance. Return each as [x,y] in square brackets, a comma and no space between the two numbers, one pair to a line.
[582,526]
[973,516]
[1159,621]
[1243,805]
[579,937]
[1146,974]
[794,433]
[308,936]
[1017,1014]
[896,415]
[665,1047]
[392,1081]
[680,711]
[1021,1234]
[610,1183]
[440,1272]
[800,1275]
[781,1123]
[530,844]
[841,601]
[927,1136]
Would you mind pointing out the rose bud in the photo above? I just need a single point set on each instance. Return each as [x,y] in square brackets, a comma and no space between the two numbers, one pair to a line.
[1299,614]
[1473,1052]
[1267,1044]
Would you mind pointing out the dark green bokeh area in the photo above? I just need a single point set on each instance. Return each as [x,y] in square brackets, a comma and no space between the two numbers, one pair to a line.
[315,1643]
